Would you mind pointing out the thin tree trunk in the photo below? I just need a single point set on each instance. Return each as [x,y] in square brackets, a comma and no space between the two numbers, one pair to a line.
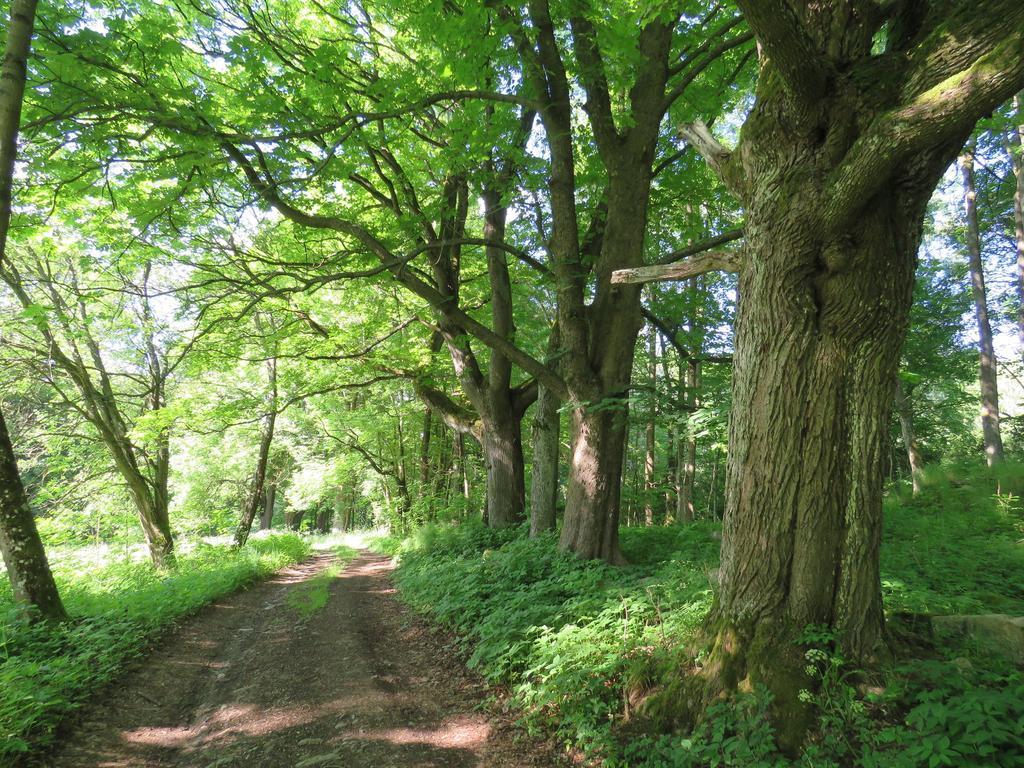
[425,435]
[547,427]
[690,469]
[651,428]
[404,499]
[1016,149]
[256,498]
[905,411]
[670,498]
[987,371]
[22,549]
[463,465]
[267,515]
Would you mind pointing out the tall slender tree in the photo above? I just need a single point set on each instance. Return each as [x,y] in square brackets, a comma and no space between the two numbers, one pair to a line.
[1015,145]
[987,364]
[20,545]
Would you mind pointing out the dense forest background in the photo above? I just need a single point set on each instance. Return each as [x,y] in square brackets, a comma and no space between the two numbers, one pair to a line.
[525,290]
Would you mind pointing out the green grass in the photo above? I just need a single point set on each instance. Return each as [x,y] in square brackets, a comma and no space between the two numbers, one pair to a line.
[118,609]
[309,598]
[574,641]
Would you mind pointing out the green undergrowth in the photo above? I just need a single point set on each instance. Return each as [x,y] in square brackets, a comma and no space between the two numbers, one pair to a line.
[118,608]
[583,647]
[958,546]
[310,597]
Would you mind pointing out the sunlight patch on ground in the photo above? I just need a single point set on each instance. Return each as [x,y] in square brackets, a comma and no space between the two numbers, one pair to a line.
[457,733]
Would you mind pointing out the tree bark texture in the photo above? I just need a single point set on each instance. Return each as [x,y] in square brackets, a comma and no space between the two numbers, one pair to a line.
[22,549]
[547,427]
[835,166]
[987,364]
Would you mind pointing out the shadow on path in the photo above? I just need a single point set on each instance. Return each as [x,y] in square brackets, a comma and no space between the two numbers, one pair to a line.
[250,682]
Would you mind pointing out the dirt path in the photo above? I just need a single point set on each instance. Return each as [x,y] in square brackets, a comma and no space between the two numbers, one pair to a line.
[250,682]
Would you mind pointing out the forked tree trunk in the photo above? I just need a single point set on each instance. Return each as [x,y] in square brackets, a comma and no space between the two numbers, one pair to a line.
[987,365]
[905,411]
[601,379]
[153,516]
[20,545]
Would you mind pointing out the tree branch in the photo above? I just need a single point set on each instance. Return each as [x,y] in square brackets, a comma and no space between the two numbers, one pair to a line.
[804,69]
[398,269]
[711,261]
[699,136]
[455,416]
[942,114]
[699,247]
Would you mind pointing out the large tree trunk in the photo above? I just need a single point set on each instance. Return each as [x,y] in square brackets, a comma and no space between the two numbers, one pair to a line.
[987,365]
[591,525]
[835,169]
[905,411]
[816,359]
[503,458]
[20,545]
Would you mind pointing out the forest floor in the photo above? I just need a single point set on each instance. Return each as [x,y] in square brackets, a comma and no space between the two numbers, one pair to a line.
[275,676]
